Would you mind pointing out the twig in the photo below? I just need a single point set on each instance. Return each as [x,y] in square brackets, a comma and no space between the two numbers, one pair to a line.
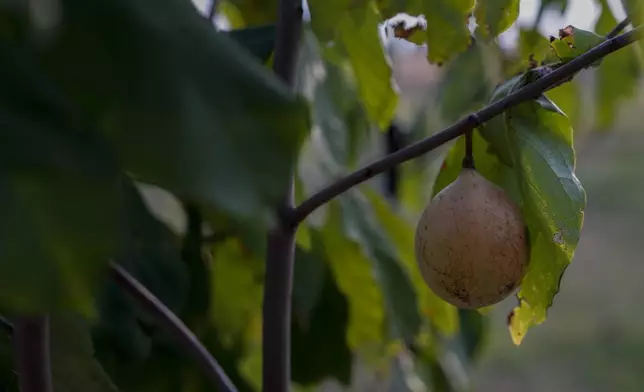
[280,251]
[31,348]
[473,120]
[618,29]
[172,324]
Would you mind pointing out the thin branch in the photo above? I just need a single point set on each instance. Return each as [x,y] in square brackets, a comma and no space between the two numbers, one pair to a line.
[173,325]
[280,250]
[618,29]
[31,348]
[473,120]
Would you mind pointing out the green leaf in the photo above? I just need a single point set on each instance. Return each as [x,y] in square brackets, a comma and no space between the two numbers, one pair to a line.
[355,278]
[533,45]
[553,204]
[354,30]
[617,78]
[399,295]
[237,290]
[496,16]
[54,172]
[335,103]
[442,315]
[185,107]
[573,42]
[464,86]
[73,365]
[324,332]
[259,40]
[447,32]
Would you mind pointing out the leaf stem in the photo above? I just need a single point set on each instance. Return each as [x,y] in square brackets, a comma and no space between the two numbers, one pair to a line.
[173,325]
[31,347]
[468,123]
[468,160]
[280,251]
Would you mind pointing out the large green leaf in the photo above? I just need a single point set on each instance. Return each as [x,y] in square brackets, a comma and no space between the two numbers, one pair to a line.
[61,196]
[617,77]
[74,367]
[553,204]
[496,16]
[185,107]
[353,29]
[400,298]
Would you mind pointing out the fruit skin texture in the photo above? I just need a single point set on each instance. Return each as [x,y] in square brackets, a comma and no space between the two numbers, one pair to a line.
[471,243]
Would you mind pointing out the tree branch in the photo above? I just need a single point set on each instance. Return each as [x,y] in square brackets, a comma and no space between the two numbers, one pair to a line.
[31,348]
[173,325]
[618,29]
[280,251]
[473,120]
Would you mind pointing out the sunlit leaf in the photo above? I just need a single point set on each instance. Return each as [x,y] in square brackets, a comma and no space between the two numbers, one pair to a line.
[355,278]
[354,33]
[496,16]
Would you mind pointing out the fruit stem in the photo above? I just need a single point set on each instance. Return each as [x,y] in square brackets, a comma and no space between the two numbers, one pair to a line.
[468,161]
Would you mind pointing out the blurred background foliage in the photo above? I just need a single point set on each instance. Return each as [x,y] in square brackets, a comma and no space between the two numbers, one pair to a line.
[138,119]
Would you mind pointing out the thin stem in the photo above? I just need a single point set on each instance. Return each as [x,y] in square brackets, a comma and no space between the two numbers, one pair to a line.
[473,120]
[468,160]
[173,325]
[280,251]
[618,29]
[31,348]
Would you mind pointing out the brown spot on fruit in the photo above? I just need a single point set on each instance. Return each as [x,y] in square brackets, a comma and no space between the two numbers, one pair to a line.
[471,243]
